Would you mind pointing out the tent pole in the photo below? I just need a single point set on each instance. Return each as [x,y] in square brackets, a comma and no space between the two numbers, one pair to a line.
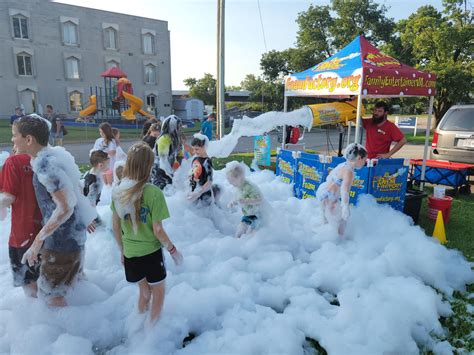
[358,121]
[427,139]
[285,108]
[349,125]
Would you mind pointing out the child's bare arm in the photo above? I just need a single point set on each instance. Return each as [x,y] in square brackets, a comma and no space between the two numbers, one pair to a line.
[116,227]
[200,190]
[61,214]
[6,199]
[250,201]
[161,235]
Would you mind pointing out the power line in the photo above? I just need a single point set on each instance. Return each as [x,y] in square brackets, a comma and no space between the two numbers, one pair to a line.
[261,24]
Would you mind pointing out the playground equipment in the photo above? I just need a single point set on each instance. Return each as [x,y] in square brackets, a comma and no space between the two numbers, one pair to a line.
[91,109]
[136,105]
[115,100]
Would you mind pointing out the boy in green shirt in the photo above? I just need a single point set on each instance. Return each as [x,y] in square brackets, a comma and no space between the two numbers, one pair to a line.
[249,197]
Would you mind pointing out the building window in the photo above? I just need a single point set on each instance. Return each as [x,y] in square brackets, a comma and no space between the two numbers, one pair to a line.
[151,102]
[72,68]
[148,40]
[110,38]
[23,61]
[150,74]
[75,101]
[20,27]
[70,33]
[112,64]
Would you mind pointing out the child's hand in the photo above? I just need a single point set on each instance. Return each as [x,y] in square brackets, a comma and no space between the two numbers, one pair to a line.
[345,213]
[91,227]
[176,255]
[31,255]
[192,196]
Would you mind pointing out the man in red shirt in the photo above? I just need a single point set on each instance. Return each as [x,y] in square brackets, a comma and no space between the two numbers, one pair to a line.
[17,191]
[381,133]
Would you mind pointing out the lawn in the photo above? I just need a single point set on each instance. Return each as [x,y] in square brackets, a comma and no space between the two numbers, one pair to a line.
[418,139]
[459,229]
[86,134]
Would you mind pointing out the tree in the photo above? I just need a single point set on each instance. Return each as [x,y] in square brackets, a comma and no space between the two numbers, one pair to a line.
[360,16]
[203,89]
[442,44]
[269,93]
[233,87]
[321,34]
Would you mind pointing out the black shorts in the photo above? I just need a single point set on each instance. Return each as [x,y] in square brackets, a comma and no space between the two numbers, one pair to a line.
[150,267]
[22,273]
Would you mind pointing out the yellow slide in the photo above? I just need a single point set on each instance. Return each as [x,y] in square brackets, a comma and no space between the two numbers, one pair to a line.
[334,112]
[135,107]
[91,109]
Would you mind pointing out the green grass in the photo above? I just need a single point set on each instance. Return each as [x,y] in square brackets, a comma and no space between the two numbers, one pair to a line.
[5,131]
[246,158]
[459,229]
[460,325]
[418,139]
[459,234]
[88,134]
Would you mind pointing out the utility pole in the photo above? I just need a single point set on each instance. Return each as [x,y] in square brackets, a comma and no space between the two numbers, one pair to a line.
[220,93]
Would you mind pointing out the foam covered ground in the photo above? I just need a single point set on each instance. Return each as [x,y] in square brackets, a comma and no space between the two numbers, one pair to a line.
[380,289]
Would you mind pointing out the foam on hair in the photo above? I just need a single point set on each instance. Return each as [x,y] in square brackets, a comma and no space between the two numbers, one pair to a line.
[200,140]
[234,168]
[355,150]
[34,115]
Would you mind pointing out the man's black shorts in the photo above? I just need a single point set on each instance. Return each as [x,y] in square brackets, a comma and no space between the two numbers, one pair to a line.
[150,267]
[22,273]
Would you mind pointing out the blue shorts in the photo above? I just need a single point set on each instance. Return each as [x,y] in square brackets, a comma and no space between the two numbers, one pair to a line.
[252,221]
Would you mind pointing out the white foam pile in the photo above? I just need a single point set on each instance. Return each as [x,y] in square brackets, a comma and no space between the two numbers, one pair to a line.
[378,290]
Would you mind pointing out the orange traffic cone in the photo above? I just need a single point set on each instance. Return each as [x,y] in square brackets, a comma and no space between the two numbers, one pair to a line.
[439,231]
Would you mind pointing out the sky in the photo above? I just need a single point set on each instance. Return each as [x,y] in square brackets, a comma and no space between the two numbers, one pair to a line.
[193,30]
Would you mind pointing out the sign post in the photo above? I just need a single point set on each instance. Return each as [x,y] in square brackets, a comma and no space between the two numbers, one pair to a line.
[407,122]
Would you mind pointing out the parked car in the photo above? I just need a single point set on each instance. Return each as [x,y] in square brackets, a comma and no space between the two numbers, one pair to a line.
[187,123]
[453,139]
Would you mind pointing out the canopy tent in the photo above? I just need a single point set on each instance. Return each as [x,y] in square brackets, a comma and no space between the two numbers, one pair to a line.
[361,70]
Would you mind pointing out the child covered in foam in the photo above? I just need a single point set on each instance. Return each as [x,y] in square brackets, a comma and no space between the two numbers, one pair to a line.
[333,195]
[203,191]
[248,197]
